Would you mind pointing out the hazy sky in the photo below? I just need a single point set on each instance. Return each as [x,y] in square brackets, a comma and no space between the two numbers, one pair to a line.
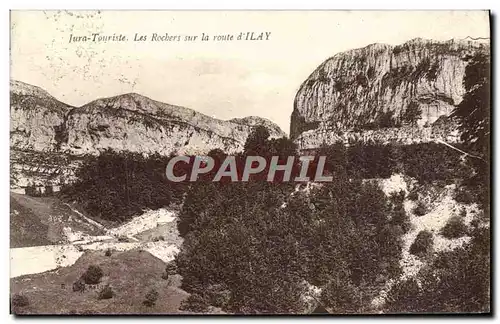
[224,79]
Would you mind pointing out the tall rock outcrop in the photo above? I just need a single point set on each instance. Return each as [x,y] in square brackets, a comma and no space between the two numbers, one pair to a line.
[36,118]
[375,87]
[132,122]
[129,122]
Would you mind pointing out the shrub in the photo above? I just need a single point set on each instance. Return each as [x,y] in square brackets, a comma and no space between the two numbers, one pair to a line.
[454,228]
[93,275]
[464,196]
[150,298]
[342,297]
[420,209]
[171,268]
[399,216]
[218,295]
[19,300]
[106,293]
[107,253]
[103,192]
[79,285]
[413,195]
[165,276]
[195,303]
[403,296]
[422,244]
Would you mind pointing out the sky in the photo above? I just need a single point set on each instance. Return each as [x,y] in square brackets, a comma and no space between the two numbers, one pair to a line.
[221,78]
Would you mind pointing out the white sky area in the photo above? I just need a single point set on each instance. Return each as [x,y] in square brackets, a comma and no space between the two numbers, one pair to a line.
[220,79]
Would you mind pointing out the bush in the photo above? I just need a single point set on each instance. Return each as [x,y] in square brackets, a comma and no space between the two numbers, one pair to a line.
[195,303]
[420,209]
[456,281]
[413,195]
[93,275]
[464,196]
[454,228]
[107,253]
[106,293]
[218,295]
[19,300]
[399,216]
[403,296]
[150,298]
[171,268]
[342,297]
[79,285]
[165,276]
[103,192]
[422,244]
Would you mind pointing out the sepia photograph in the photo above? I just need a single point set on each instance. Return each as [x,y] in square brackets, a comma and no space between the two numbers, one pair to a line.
[305,162]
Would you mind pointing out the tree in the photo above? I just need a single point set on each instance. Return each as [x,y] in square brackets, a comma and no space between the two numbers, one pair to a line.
[423,244]
[473,117]
[93,275]
[151,298]
[473,112]
[106,292]
[19,300]
[256,140]
[454,228]
[454,281]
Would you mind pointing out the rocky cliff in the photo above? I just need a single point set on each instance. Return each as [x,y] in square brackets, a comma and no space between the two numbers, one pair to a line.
[136,123]
[36,118]
[130,122]
[381,87]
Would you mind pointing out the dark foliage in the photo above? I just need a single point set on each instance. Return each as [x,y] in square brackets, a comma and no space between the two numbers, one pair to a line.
[93,275]
[79,285]
[412,114]
[239,238]
[465,196]
[106,293]
[151,298]
[457,281]
[116,186]
[195,303]
[420,209]
[18,300]
[171,268]
[473,115]
[454,228]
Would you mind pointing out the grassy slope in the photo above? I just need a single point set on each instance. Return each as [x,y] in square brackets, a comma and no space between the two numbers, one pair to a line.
[131,275]
[26,229]
[40,221]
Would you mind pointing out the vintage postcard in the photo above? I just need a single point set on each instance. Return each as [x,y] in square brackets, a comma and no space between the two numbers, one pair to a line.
[250,162]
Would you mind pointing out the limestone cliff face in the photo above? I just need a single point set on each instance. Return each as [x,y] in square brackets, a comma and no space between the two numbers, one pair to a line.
[136,123]
[42,127]
[254,121]
[372,87]
[129,122]
[35,118]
